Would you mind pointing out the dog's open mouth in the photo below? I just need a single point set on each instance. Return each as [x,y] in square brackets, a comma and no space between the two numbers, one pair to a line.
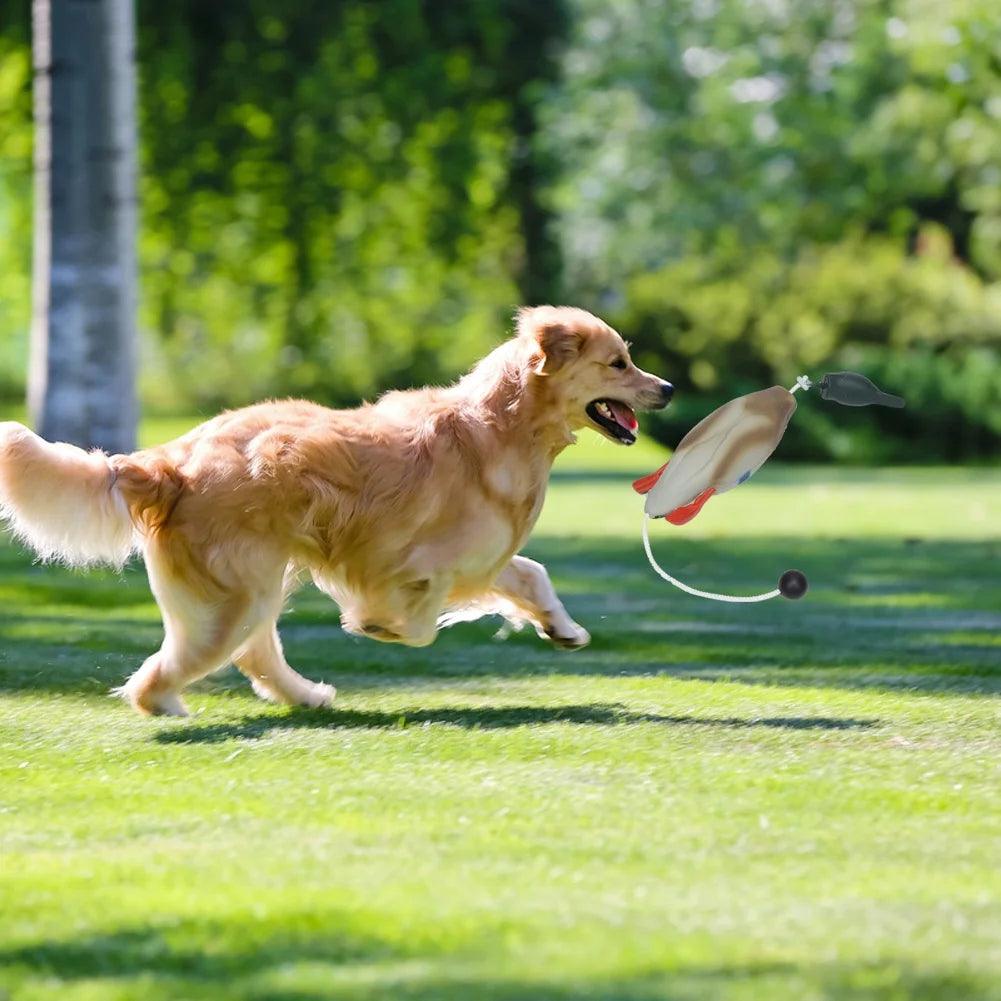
[616,419]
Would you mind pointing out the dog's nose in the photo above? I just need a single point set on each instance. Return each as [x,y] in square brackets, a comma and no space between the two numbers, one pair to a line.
[666,392]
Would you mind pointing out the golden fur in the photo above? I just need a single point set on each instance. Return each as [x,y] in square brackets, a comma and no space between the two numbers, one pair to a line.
[408,512]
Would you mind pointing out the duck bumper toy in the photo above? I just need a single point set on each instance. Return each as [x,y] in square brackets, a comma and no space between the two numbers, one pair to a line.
[725,449]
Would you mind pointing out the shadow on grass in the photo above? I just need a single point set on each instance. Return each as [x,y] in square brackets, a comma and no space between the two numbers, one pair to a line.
[483,718]
[234,962]
[179,951]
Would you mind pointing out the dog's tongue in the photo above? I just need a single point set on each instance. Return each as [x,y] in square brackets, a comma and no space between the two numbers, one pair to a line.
[624,415]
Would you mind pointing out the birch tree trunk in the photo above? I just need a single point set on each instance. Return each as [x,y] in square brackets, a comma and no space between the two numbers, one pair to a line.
[83,338]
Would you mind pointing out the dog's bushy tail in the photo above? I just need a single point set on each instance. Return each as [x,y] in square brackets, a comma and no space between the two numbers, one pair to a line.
[63,502]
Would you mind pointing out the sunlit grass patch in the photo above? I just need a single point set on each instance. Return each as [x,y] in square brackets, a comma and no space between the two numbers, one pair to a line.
[795,800]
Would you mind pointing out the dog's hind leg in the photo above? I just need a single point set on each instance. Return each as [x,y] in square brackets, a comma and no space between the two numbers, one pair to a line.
[195,644]
[262,660]
[525,584]
[204,621]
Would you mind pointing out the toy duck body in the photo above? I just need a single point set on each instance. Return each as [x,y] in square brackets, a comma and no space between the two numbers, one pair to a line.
[719,453]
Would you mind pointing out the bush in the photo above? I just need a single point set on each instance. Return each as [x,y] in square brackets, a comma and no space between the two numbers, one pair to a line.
[923,325]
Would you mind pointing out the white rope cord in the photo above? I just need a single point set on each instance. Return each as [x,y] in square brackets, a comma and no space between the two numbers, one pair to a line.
[737,599]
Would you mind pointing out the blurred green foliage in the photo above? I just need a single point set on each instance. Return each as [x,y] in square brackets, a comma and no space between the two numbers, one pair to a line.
[757,188]
[329,201]
[15,205]
[919,323]
[336,198]
[345,197]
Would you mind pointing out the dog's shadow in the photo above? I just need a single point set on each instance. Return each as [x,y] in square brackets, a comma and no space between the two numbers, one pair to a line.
[481,718]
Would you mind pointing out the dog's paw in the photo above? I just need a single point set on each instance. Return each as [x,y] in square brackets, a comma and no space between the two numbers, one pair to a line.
[312,695]
[151,704]
[571,637]
[320,696]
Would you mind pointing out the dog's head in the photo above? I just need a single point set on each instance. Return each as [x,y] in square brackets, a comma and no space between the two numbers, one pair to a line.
[588,365]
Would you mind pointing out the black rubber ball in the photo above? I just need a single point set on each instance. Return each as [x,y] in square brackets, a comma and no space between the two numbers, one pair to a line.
[793,584]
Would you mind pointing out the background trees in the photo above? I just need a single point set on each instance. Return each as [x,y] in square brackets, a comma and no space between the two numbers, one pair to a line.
[756,189]
[343,197]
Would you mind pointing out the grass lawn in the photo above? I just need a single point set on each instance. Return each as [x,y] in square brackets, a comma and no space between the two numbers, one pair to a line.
[784,801]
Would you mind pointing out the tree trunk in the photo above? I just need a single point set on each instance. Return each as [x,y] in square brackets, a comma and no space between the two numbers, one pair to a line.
[82,380]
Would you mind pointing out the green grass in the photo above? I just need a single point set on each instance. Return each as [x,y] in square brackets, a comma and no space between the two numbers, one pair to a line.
[788,801]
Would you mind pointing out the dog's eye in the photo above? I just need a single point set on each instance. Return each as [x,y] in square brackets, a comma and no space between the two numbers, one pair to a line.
[619,363]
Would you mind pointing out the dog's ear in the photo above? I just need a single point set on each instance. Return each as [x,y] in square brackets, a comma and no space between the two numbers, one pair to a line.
[556,343]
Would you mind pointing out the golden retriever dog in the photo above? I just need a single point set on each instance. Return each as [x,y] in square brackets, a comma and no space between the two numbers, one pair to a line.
[408,512]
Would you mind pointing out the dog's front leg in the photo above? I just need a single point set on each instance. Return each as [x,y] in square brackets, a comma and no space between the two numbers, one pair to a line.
[526,585]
